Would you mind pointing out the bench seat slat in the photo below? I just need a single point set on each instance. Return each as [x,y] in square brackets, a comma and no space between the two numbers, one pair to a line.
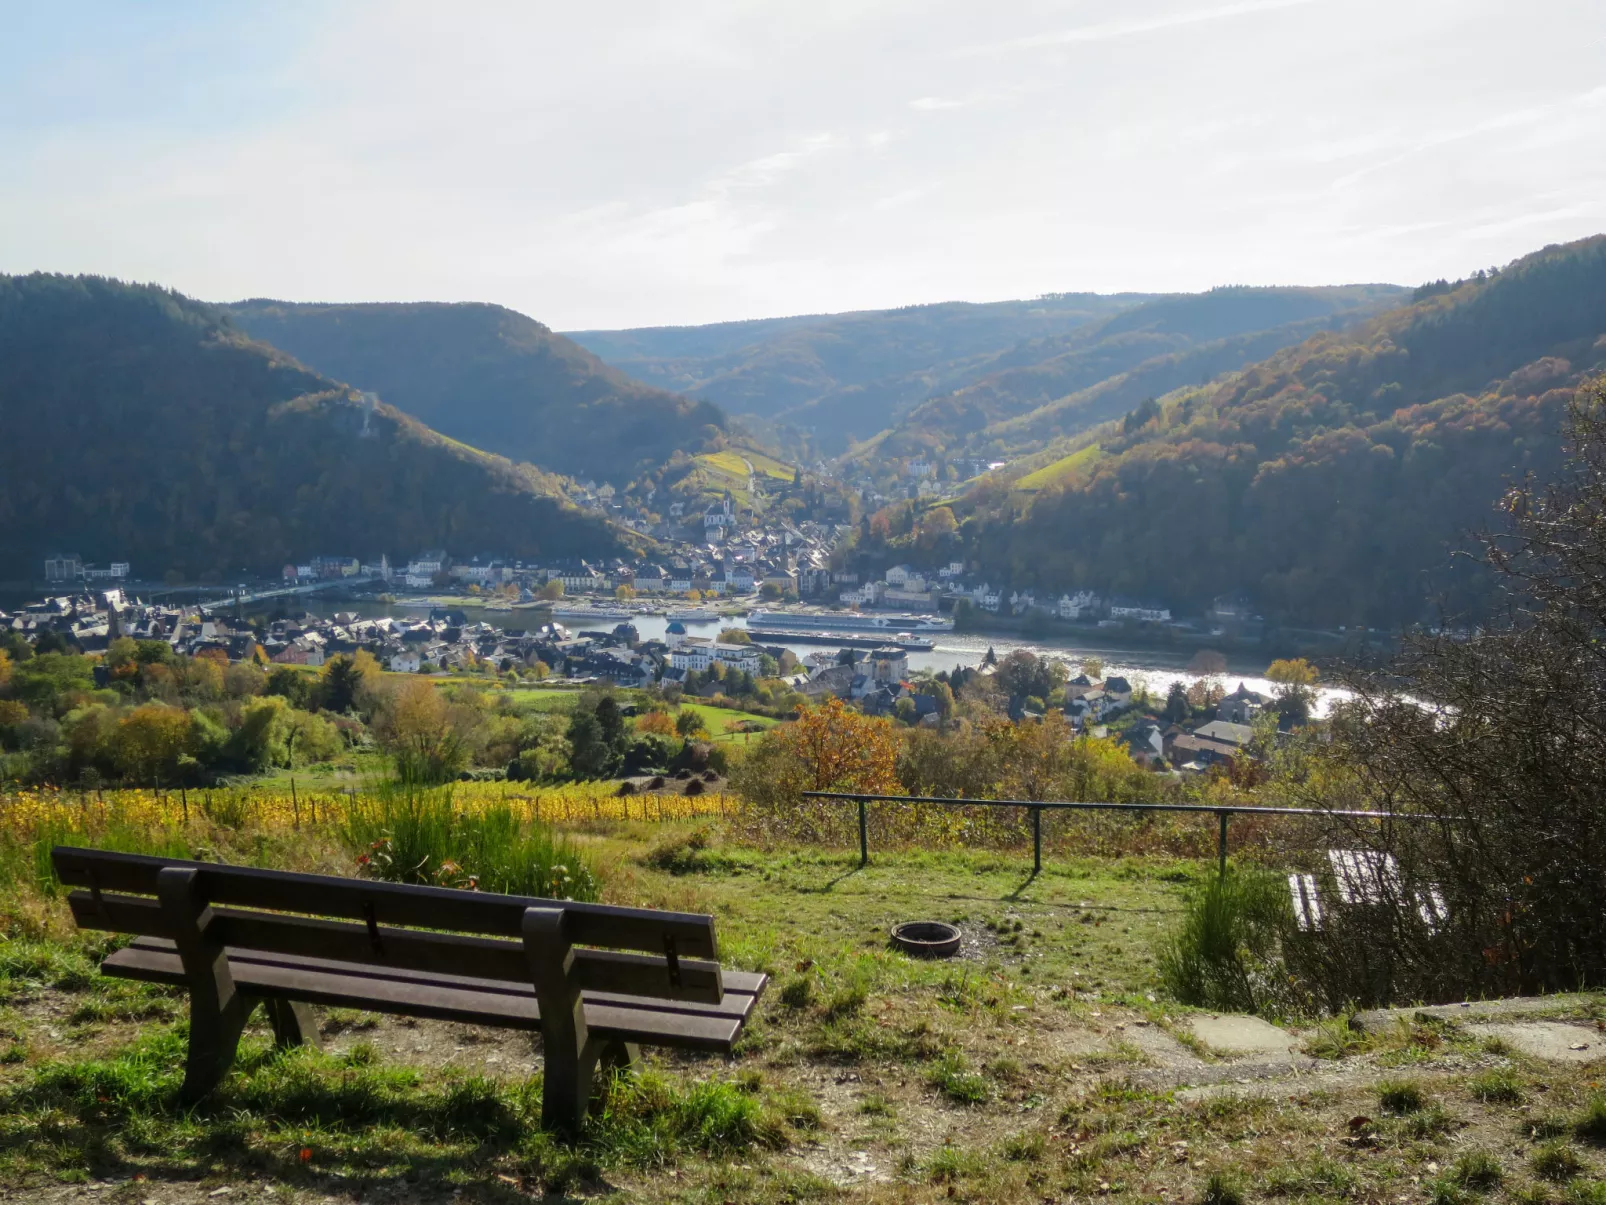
[743,988]
[641,929]
[406,949]
[705,1030]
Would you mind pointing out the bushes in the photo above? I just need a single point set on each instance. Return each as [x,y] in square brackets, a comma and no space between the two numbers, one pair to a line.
[411,834]
[1227,953]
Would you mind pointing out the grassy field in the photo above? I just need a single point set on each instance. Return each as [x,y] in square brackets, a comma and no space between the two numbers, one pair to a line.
[734,463]
[1060,471]
[726,725]
[1043,1064]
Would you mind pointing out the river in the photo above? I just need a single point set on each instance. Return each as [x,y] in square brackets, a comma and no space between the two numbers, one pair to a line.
[1154,669]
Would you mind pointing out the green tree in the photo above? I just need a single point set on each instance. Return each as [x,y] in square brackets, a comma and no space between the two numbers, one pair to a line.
[590,755]
[1176,703]
[48,682]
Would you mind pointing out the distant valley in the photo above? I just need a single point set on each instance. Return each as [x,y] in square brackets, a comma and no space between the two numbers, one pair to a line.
[985,380]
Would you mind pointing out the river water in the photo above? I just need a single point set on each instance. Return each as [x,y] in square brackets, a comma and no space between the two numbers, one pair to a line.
[1155,669]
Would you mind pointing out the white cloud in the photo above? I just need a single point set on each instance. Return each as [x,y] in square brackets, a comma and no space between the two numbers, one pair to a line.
[1105,31]
[732,158]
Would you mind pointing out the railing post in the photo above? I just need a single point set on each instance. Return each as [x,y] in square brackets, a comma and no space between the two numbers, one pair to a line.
[1221,843]
[864,834]
[1037,840]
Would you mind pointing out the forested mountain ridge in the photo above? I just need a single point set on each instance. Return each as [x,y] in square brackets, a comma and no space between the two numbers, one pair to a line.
[495,380]
[1101,370]
[141,426]
[1328,483]
[821,381]
[931,379]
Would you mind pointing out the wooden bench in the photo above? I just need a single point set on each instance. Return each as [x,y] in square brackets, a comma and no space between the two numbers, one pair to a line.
[596,981]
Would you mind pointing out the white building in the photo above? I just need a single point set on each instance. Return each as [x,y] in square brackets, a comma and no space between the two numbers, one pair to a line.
[1142,612]
[1081,605]
[421,570]
[697,653]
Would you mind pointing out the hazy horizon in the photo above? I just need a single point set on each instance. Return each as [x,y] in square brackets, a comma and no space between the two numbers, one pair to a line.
[678,165]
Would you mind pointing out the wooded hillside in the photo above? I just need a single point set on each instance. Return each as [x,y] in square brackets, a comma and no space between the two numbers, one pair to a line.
[1330,483]
[142,427]
[493,379]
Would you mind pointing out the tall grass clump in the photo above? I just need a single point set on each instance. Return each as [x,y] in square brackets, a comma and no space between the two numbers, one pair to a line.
[1226,954]
[25,850]
[409,833]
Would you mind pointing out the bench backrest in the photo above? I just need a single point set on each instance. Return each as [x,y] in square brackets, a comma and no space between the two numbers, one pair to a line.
[643,952]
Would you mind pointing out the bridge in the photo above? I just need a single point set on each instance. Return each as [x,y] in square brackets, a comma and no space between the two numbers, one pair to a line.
[239,596]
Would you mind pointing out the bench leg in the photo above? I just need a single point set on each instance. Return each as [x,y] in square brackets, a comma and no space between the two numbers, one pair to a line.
[612,1055]
[218,1011]
[293,1023]
[214,1040]
[565,1046]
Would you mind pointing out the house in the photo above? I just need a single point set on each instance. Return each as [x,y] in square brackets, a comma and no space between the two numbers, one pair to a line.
[406,662]
[1227,609]
[421,570]
[675,634]
[744,657]
[1146,743]
[888,665]
[1242,705]
[577,576]
[1237,735]
[1022,601]
[1081,605]
[833,680]
[1211,744]
[304,650]
[1079,686]
[1119,691]
[326,568]
[64,567]
[1139,612]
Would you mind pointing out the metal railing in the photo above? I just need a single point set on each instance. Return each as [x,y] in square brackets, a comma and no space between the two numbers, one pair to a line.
[1038,807]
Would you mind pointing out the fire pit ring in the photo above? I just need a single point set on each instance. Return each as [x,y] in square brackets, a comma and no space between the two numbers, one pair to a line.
[926,939]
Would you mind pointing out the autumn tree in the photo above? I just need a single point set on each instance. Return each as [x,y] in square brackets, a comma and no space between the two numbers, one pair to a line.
[828,748]
[937,525]
[656,723]
[1295,680]
[149,741]
[415,725]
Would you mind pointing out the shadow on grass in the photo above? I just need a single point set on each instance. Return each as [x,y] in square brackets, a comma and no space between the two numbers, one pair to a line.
[1024,884]
[344,1123]
[828,887]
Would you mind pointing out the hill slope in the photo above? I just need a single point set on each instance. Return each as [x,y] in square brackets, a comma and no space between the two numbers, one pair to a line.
[1329,482]
[1050,388]
[493,379]
[939,376]
[822,381]
[142,427]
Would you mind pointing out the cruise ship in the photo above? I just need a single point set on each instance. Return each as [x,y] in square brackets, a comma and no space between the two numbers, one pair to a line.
[848,621]
[590,613]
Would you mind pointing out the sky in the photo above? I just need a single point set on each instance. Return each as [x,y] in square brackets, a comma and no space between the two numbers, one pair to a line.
[629,164]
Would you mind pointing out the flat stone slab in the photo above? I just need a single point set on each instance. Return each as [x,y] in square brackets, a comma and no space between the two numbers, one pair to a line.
[1471,1011]
[1551,1040]
[1233,1033]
